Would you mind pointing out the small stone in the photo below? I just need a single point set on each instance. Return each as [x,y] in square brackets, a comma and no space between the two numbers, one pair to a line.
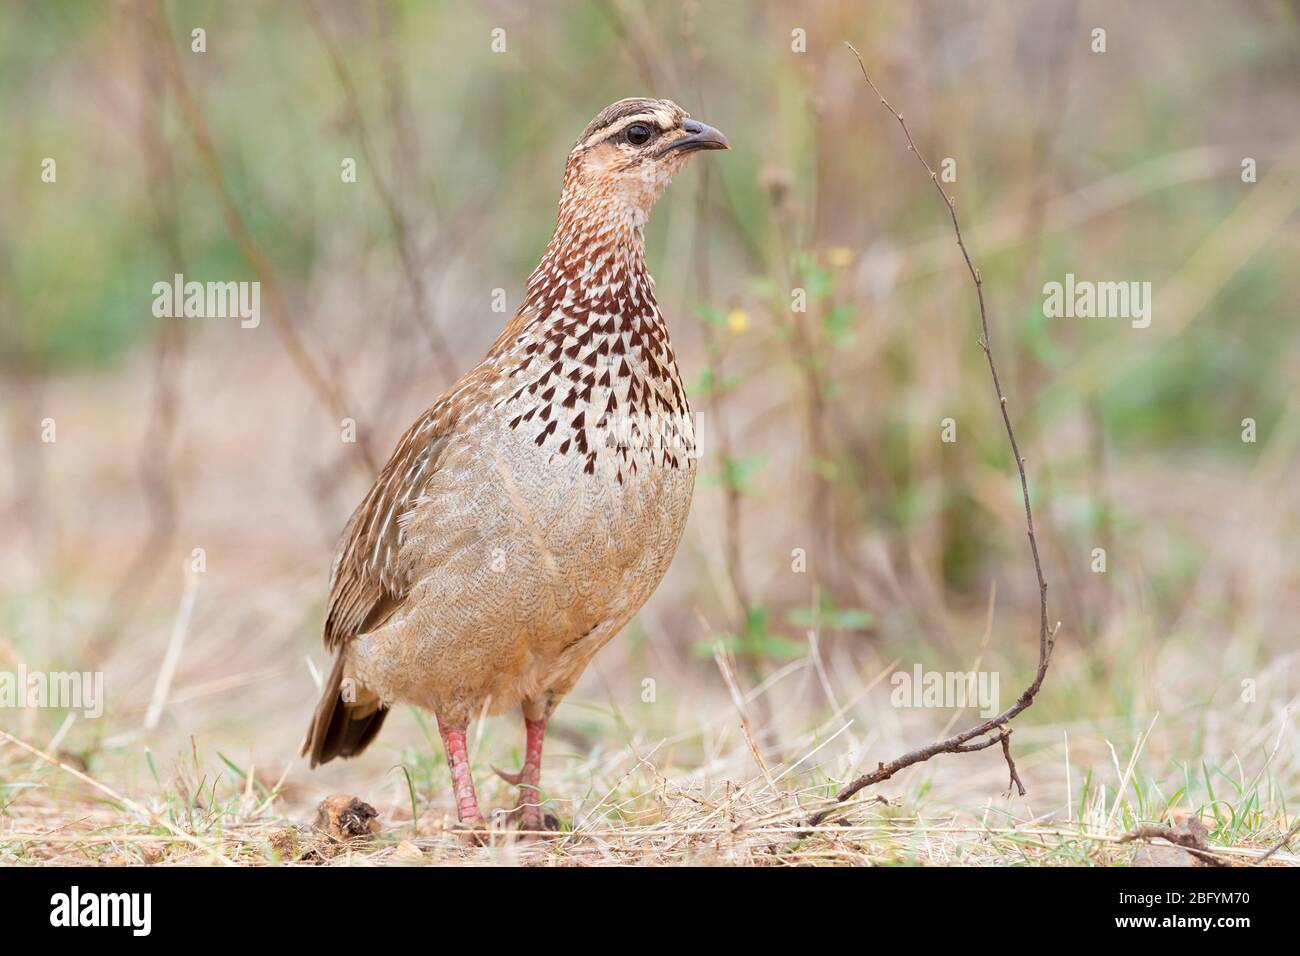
[407,852]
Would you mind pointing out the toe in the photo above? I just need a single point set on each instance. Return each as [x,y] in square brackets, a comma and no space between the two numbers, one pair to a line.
[473,831]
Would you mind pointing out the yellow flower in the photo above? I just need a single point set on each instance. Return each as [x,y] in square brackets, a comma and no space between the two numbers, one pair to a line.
[737,321]
[840,256]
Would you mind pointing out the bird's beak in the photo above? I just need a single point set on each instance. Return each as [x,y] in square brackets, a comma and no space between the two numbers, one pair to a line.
[698,136]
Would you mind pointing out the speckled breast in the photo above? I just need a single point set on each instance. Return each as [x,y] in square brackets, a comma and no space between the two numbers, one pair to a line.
[546,531]
[597,448]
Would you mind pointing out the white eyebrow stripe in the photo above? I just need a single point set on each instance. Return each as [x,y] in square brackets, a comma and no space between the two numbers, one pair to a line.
[661,119]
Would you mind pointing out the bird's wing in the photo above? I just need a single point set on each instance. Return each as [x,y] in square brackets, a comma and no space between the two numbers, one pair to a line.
[368,582]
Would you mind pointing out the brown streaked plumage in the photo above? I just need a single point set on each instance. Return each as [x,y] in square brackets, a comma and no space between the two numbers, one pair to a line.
[532,510]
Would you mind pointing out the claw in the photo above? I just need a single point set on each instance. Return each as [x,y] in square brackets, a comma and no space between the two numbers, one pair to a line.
[473,832]
[513,779]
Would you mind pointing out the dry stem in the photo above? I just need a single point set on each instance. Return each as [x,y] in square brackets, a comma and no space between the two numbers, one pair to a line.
[329,393]
[960,743]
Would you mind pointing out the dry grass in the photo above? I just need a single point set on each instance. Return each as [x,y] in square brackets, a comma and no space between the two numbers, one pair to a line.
[696,796]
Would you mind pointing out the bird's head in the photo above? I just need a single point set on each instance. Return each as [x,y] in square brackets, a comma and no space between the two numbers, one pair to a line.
[629,152]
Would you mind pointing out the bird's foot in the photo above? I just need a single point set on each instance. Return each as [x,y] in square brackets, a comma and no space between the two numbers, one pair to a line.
[473,831]
[528,818]
[472,825]
[531,823]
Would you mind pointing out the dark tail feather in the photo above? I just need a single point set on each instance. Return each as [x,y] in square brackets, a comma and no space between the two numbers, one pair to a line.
[340,729]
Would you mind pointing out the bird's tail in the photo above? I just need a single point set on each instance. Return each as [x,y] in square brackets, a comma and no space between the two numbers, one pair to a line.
[341,728]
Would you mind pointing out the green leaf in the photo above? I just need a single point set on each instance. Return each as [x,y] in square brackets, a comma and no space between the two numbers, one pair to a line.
[830,617]
[838,325]
[735,472]
[824,468]
[755,641]
[708,383]
[711,314]
[817,281]
[766,645]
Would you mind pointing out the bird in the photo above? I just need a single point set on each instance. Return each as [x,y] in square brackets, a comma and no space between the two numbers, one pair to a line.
[531,511]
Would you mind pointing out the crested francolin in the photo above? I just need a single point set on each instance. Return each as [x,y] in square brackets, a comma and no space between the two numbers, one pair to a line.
[532,510]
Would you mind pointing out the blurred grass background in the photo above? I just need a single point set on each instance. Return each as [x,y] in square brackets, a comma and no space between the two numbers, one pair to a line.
[823,427]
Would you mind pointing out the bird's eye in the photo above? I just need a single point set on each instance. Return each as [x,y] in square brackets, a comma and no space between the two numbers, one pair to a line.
[638,135]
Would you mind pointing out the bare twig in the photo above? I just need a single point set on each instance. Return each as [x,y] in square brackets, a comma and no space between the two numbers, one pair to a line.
[714,351]
[396,218]
[720,655]
[330,393]
[157,477]
[1192,839]
[1280,843]
[1011,764]
[172,657]
[960,742]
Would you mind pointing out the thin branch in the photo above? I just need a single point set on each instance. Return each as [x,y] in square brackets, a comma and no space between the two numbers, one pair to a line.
[1011,764]
[401,230]
[715,355]
[157,477]
[1191,840]
[329,392]
[1280,843]
[960,743]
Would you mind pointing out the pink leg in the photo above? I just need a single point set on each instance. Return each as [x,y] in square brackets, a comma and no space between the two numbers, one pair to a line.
[530,776]
[462,784]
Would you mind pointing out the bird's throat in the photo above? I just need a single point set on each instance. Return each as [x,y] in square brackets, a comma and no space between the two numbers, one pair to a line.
[590,351]
[595,259]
